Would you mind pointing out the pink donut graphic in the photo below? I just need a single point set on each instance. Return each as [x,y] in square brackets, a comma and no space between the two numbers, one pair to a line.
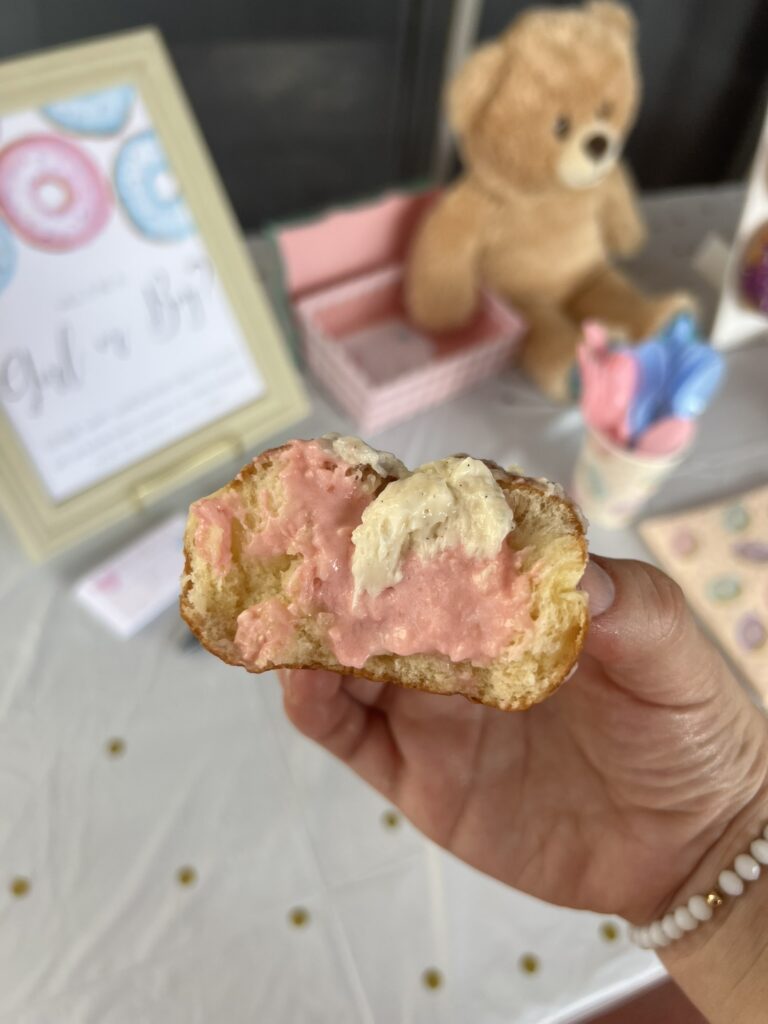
[52,193]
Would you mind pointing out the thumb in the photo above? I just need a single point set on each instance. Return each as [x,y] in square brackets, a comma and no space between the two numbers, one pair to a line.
[644,635]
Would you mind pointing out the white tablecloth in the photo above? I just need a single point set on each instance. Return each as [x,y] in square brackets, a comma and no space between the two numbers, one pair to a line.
[212,779]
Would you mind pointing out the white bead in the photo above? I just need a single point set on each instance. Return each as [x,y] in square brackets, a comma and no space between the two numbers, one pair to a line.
[671,928]
[657,934]
[699,908]
[759,850]
[685,919]
[730,883]
[645,940]
[747,867]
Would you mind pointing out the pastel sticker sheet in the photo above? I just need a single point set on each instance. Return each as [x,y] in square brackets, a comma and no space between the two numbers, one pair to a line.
[719,556]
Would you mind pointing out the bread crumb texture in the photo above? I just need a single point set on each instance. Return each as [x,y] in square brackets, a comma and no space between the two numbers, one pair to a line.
[249,546]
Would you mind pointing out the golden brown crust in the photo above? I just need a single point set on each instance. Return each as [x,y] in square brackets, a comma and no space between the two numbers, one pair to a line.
[360,673]
[521,705]
[508,483]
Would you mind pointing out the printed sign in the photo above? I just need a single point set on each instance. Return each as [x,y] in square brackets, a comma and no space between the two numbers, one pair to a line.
[116,336]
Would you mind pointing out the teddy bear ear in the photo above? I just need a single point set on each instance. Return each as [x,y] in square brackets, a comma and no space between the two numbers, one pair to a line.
[615,14]
[473,84]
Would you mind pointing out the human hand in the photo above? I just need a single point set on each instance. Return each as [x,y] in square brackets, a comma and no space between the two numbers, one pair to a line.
[609,795]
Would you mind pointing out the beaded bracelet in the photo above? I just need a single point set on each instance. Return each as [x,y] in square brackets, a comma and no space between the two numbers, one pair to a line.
[688,917]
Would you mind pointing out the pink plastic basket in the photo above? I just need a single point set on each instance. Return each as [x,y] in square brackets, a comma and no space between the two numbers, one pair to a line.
[344,275]
[360,347]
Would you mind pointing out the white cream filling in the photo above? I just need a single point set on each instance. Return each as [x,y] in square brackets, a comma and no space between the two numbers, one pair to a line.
[455,502]
[357,453]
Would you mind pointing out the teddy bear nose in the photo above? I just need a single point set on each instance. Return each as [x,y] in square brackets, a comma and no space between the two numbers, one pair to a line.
[596,146]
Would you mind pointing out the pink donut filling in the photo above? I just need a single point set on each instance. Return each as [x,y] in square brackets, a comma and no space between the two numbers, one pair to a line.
[452,604]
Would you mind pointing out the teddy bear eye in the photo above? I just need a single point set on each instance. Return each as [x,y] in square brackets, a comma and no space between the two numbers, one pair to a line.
[605,110]
[562,127]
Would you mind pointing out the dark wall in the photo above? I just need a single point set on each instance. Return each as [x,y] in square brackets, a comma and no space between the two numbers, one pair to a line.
[705,73]
[303,102]
[308,102]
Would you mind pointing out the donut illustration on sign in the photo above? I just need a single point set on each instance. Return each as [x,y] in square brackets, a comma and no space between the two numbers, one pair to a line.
[51,193]
[7,256]
[149,192]
[100,113]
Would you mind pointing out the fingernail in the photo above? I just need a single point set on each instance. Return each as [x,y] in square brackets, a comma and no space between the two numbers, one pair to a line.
[285,676]
[599,587]
[302,685]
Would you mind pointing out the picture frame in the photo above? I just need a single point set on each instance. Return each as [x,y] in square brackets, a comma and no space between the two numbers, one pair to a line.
[52,507]
[740,318]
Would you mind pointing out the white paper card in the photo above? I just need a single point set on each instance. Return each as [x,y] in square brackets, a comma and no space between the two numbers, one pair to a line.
[116,337]
[388,350]
[129,590]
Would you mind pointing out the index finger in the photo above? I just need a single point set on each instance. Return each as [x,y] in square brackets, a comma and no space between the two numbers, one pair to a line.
[320,706]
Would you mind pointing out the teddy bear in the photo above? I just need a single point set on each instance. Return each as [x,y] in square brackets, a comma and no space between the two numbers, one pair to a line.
[540,115]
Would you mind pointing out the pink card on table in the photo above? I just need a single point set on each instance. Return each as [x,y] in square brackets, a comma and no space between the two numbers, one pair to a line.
[138,583]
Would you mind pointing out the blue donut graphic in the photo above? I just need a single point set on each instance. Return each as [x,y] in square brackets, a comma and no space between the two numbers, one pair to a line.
[7,256]
[97,113]
[149,192]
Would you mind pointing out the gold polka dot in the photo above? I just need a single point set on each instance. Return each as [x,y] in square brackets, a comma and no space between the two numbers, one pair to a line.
[432,978]
[390,819]
[298,917]
[20,886]
[115,747]
[530,963]
[186,875]
[608,931]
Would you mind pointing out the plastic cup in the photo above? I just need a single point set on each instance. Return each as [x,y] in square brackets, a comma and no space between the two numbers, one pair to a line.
[612,484]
